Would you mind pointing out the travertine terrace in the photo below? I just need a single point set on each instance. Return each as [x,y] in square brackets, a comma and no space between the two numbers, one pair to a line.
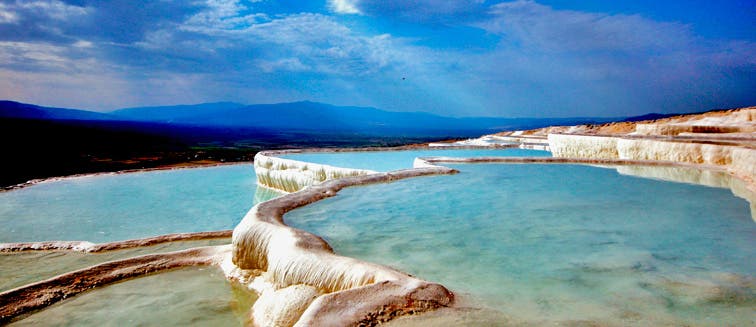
[725,139]
[301,281]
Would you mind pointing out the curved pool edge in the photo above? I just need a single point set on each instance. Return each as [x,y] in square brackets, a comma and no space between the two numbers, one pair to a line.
[301,281]
[89,247]
[26,299]
[290,175]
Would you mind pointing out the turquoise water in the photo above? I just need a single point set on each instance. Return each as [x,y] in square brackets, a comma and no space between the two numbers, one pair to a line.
[117,207]
[564,244]
[194,296]
[393,160]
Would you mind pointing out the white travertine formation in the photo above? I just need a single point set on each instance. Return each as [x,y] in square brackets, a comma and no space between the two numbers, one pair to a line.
[272,258]
[283,307]
[583,146]
[291,175]
[743,163]
[421,163]
[695,153]
[740,121]
[739,161]
[535,146]
[720,139]
[676,129]
[514,140]
[293,257]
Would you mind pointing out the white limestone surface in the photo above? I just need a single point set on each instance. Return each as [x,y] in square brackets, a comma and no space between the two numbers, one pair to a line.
[283,307]
[516,139]
[739,160]
[740,121]
[272,259]
[289,176]
[583,146]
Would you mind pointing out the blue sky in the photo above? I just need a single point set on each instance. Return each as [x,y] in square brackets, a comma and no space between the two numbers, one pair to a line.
[523,58]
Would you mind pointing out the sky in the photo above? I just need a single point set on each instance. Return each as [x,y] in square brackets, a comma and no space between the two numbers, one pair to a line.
[521,58]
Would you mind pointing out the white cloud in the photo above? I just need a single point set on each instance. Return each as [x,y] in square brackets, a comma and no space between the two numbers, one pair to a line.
[155,40]
[83,44]
[222,15]
[54,9]
[415,10]
[344,6]
[287,64]
[326,45]
[308,42]
[32,54]
[6,15]
[545,28]
[46,57]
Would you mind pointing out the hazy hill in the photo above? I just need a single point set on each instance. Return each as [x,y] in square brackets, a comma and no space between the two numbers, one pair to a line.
[12,109]
[297,115]
[315,116]
[303,116]
[175,114]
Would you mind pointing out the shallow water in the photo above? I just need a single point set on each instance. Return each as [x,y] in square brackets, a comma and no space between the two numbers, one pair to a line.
[393,160]
[564,244]
[21,268]
[185,297]
[117,207]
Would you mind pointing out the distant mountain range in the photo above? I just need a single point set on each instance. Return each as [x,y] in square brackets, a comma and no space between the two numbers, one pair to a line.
[299,116]
[12,109]
[43,141]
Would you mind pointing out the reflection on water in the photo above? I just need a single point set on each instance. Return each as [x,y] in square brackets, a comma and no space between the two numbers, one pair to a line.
[263,194]
[542,244]
[709,178]
[184,297]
